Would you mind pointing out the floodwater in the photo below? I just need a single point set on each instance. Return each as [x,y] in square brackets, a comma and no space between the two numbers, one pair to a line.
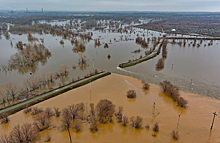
[199,65]
[190,68]
[194,124]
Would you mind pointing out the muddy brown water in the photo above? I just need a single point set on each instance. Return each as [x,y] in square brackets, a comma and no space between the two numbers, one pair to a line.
[194,123]
[199,64]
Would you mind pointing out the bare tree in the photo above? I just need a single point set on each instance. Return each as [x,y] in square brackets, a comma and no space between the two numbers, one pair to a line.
[105,110]
[119,114]
[175,135]
[4,139]
[66,121]
[57,112]
[136,122]
[12,90]
[63,69]
[124,121]
[48,112]
[50,76]
[4,118]
[24,134]
[3,96]
[42,122]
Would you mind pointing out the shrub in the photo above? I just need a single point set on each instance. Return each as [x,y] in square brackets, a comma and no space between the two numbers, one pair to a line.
[146,86]
[36,110]
[156,127]
[173,92]
[175,135]
[106,45]
[94,127]
[131,94]
[124,121]
[27,110]
[105,110]
[160,64]
[182,102]
[119,114]
[136,122]
[109,56]
[147,127]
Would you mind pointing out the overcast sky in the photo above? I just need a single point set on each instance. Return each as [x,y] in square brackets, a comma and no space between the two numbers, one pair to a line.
[112,5]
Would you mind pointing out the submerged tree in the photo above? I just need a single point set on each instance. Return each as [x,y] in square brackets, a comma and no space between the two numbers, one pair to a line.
[66,121]
[105,110]
[4,118]
[24,134]
[160,64]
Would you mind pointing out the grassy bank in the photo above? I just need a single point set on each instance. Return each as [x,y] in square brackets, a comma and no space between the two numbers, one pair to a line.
[145,58]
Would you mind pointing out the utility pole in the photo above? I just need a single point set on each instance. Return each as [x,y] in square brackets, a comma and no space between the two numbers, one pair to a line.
[213,120]
[93,66]
[90,86]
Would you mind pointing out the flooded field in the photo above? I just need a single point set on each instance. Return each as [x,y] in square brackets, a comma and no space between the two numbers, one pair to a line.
[191,68]
[114,88]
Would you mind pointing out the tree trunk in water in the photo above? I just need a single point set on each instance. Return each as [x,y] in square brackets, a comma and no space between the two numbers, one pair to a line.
[69,134]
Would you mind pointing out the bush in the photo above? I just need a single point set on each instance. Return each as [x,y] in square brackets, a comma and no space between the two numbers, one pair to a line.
[105,110]
[94,127]
[36,110]
[182,102]
[173,92]
[106,45]
[156,127]
[124,121]
[27,110]
[160,64]
[136,122]
[131,94]
[119,114]
[147,127]
[146,86]
[175,135]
